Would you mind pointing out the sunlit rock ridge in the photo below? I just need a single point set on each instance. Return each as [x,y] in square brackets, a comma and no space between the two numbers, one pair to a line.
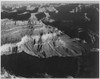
[45,41]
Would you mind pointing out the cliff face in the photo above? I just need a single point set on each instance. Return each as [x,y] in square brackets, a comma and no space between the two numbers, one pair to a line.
[37,52]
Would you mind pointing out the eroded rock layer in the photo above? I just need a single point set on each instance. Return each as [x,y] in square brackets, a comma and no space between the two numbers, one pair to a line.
[46,41]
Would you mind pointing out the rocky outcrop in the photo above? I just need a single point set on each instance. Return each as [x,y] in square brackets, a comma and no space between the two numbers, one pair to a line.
[47,41]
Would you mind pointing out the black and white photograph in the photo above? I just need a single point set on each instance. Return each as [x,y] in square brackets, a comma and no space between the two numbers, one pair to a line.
[46,39]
